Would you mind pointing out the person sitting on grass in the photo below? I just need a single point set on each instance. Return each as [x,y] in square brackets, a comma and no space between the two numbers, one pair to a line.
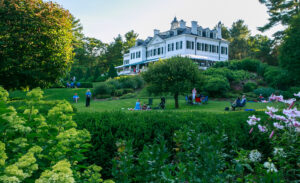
[236,103]
[261,98]
[137,105]
[243,101]
[75,98]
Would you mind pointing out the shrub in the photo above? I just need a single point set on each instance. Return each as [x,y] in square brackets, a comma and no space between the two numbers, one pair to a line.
[262,69]
[225,72]
[250,86]
[128,95]
[240,75]
[103,89]
[277,77]
[246,64]
[104,96]
[216,85]
[101,79]
[266,92]
[128,90]
[118,92]
[86,85]
[114,83]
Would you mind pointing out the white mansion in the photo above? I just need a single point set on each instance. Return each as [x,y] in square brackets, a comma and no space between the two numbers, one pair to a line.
[203,45]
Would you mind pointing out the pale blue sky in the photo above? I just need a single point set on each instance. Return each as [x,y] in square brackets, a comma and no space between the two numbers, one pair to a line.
[105,19]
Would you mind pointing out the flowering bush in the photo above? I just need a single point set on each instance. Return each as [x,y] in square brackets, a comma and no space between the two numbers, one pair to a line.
[283,129]
[43,148]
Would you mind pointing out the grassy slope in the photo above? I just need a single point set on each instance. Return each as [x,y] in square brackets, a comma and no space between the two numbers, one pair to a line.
[124,104]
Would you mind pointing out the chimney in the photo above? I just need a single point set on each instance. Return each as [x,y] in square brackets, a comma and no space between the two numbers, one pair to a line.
[219,31]
[156,32]
[194,27]
[182,24]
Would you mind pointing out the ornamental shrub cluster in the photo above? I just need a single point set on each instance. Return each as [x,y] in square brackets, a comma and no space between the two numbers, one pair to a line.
[118,86]
[217,80]
[43,148]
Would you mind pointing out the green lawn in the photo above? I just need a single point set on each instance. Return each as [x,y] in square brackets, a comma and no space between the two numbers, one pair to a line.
[212,106]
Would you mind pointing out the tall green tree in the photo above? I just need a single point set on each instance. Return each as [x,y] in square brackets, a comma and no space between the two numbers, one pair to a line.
[175,75]
[289,52]
[114,54]
[239,34]
[280,11]
[261,47]
[35,43]
[130,38]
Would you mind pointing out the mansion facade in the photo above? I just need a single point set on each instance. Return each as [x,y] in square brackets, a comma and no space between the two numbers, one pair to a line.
[203,45]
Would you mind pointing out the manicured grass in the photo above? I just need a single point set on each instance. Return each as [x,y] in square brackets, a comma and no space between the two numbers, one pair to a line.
[212,106]
[124,104]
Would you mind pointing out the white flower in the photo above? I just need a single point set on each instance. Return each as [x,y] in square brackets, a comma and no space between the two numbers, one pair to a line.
[262,128]
[279,152]
[292,113]
[254,118]
[270,166]
[255,156]
[272,109]
[251,122]
[289,101]
[277,125]
[297,94]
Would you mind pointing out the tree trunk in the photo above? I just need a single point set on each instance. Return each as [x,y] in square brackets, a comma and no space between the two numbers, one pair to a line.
[176,100]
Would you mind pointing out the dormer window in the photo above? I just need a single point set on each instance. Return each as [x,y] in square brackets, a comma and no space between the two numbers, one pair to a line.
[200,32]
[207,33]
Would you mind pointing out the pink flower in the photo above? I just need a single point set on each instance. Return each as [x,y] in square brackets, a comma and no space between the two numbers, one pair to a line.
[254,118]
[277,125]
[262,128]
[271,135]
[297,94]
[289,101]
[272,109]
[291,113]
[296,124]
[279,98]
[280,118]
[251,130]
[251,122]
[270,114]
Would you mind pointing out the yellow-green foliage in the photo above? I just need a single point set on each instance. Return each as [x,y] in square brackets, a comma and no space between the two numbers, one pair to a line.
[23,168]
[29,140]
[61,173]
[3,156]
[3,94]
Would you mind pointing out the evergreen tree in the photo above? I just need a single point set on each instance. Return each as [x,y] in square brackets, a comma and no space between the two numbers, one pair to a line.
[112,72]
[130,38]
[280,11]
[289,52]
[114,54]
[239,34]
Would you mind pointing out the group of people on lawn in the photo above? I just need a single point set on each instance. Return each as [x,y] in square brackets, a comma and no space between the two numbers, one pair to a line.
[196,99]
[147,107]
[88,97]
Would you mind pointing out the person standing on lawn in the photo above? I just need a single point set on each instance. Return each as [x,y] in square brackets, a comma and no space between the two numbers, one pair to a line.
[88,98]
[194,92]
[75,98]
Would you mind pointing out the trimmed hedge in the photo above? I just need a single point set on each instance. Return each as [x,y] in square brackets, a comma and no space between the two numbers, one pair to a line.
[144,126]
[86,85]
